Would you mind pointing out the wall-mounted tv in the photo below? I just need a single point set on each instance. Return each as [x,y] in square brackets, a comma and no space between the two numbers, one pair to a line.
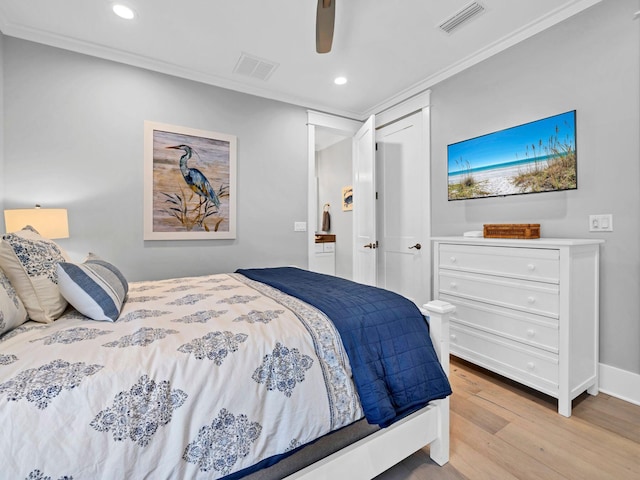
[536,157]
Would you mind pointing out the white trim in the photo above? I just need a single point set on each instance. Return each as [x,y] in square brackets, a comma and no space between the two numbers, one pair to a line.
[533,28]
[312,194]
[154,65]
[396,112]
[620,383]
[344,125]
[116,55]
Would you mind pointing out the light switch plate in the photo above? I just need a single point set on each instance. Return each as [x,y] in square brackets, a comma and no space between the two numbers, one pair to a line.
[601,223]
[299,226]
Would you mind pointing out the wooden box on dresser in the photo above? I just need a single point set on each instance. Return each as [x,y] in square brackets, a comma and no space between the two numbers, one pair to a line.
[526,309]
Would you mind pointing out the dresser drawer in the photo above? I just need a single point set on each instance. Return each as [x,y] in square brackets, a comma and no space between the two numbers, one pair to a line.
[538,264]
[534,330]
[533,297]
[535,368]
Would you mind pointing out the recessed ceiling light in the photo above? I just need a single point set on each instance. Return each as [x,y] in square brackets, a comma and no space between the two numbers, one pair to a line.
[340,80]
[123,11]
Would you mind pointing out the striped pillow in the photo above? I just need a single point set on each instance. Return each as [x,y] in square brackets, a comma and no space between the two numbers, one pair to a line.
[95,288]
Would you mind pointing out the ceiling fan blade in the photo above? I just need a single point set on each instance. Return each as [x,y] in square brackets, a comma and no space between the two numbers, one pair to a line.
[325,19]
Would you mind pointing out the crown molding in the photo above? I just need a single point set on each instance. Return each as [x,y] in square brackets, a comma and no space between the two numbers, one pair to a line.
[95,50]
[552,18]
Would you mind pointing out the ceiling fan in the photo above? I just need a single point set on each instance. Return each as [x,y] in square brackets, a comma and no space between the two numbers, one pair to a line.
[325,19]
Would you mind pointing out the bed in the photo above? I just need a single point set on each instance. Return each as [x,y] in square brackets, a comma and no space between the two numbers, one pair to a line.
[216,376]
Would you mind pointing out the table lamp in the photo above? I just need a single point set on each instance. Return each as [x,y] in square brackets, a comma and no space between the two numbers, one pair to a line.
[49,222]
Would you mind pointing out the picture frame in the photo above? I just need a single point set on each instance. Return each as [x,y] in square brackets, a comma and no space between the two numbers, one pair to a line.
[347,198]
[534,157]
[189,183]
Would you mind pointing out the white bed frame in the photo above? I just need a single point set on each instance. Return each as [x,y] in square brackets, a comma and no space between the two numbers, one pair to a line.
[381,450]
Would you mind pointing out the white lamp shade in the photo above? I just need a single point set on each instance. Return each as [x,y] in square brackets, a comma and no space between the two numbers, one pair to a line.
[49,222]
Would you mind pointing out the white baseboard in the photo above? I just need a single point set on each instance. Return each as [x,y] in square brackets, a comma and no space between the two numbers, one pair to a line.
[620,383]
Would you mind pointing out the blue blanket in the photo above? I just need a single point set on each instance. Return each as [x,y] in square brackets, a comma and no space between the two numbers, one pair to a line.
[395,367]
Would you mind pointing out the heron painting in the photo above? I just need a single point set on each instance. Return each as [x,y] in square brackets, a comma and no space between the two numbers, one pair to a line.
[347,198]
[189,183]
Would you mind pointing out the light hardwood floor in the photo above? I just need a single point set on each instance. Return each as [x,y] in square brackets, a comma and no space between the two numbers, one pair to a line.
[502,430]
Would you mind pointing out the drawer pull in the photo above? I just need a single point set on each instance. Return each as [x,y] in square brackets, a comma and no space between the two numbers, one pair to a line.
[531,333]
[453,285]
[453,259]
[531,267]
[531,300]
[453,337]
[531,366]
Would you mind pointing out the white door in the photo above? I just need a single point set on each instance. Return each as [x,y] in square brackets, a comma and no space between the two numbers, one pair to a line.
[364,207]
[403,190]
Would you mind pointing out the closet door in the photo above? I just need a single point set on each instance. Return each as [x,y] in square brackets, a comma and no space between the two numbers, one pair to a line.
[401,165]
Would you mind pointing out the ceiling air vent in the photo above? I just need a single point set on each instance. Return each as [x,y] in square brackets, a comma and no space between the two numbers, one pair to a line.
[254,67]
[463,16]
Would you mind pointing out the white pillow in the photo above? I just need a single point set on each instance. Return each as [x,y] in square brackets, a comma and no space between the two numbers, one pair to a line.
[29,261]
[12,311]
[95,288]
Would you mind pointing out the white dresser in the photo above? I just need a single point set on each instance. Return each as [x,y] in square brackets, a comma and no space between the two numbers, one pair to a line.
[526,309]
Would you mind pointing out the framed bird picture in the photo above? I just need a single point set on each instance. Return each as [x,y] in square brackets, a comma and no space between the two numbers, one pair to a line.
[347,198]
[189,183]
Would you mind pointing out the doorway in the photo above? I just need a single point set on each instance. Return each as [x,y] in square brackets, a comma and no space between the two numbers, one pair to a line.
[388,255]
[330,170]
[334,174]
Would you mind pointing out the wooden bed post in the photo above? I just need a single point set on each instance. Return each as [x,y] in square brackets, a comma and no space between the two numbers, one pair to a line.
[438,312]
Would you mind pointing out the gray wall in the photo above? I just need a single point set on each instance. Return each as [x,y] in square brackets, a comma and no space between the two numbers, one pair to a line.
[590,63]
[74,138]
[334,168]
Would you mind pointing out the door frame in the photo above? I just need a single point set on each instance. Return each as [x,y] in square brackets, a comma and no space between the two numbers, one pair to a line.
[348,127]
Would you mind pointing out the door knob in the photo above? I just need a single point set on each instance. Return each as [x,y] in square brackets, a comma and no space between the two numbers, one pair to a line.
[369,245]
[417,246]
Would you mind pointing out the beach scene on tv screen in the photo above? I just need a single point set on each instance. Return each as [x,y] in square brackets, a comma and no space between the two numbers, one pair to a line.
[539,156]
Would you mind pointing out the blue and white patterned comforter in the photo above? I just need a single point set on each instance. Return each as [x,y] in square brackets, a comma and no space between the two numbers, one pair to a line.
[200,377]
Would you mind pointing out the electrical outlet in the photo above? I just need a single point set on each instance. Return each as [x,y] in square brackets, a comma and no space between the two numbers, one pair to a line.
[601,223]
[299,226]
